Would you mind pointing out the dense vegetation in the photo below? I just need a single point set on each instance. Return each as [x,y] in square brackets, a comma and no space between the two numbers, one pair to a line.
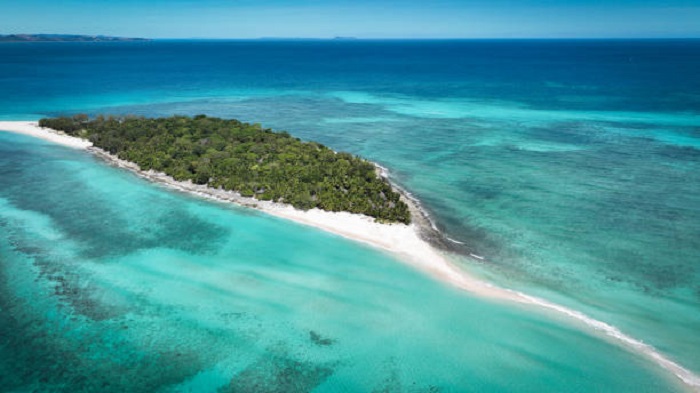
[243,157]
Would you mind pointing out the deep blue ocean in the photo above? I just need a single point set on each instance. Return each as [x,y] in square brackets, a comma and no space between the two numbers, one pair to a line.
[571,167]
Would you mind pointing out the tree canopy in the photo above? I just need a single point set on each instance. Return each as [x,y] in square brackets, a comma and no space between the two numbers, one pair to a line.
[254,161]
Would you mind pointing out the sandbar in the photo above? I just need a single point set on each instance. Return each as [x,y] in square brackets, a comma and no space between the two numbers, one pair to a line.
[406,242]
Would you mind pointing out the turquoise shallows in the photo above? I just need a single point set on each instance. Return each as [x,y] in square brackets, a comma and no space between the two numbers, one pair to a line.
[572,167]
[110,283]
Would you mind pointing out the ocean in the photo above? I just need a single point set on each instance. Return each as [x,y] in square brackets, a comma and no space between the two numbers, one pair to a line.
[566,170]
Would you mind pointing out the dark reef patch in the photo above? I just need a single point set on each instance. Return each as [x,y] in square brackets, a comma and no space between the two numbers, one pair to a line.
[320,340]
[99,229]
[278,375]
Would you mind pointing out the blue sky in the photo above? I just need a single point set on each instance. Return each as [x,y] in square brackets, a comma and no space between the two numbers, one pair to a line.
[359,18]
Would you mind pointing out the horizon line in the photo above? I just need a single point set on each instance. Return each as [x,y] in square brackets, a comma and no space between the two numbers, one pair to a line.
[356,38]
[350,38]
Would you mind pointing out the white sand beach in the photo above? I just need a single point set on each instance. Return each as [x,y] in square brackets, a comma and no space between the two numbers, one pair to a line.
[32,128]
[399,239]
[403,241]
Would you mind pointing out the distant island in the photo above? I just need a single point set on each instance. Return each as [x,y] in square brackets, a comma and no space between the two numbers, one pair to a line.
[64,38]
[253,161]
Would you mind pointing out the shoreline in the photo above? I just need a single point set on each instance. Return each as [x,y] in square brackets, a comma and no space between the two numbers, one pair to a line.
[420,244]
[31,128]
[407,242]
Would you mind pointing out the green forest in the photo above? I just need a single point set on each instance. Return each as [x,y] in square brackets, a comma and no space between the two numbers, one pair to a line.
[254,161]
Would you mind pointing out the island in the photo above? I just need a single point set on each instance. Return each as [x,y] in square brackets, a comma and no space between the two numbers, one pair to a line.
[253,161]
[419,243]
[64,38]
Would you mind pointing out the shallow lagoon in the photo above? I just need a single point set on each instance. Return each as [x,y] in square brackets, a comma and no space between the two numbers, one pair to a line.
[572,167]
[110,283]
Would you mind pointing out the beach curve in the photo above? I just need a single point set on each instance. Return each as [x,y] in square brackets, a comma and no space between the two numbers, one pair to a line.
[407,242]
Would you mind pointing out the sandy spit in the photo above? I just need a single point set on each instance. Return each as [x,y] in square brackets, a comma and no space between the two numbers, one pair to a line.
[404,241]
[407,242]
[32,128]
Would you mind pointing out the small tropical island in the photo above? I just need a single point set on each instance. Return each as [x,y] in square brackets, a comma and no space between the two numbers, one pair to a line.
[64,38]
[253,161]
[233,162]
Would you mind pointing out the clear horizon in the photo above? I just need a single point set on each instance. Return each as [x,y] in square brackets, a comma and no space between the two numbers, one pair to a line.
[350,38]
[362,19]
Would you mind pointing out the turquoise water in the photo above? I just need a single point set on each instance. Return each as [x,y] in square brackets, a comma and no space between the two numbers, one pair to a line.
[571,167]
[112,284]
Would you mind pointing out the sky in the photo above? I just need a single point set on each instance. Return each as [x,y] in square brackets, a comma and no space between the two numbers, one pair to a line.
[355,18]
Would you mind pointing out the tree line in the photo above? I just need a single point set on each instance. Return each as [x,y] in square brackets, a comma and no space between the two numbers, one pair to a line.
[254,161]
